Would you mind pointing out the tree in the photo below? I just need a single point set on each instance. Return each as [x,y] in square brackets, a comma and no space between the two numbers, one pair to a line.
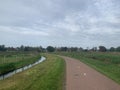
[2,48]
[112,49]
[27,48]
[94,49]
[74,49]
[80,49]
[22,48]
[50,49]
[102,49]
[118,49]
[40,49]
[64,48]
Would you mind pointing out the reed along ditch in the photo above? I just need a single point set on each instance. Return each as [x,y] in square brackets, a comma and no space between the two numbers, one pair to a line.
[12,70]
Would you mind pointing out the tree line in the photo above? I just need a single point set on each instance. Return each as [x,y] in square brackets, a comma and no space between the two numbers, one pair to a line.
[58,49]
[21,48]
[76,49]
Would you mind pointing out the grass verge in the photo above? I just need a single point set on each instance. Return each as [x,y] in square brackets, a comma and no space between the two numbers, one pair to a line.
[48,75]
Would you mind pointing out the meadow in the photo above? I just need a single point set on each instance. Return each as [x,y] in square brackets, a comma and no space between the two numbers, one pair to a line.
[10,61]
[108,63]
[48,75]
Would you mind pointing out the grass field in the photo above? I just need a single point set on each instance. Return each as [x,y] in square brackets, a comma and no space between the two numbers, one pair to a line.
[106,63]
[48,75]
[11,61]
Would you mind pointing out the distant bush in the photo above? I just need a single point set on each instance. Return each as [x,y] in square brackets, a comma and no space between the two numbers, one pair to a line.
[50,49]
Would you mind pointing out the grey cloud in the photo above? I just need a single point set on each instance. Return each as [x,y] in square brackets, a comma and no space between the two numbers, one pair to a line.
[56,22]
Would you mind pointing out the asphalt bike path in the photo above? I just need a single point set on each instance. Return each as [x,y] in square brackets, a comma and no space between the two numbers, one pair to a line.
[79,76]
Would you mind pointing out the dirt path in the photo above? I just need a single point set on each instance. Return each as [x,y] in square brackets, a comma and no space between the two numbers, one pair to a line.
[81,77]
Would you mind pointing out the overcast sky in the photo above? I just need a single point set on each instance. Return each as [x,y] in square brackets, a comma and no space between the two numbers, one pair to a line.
[82,23]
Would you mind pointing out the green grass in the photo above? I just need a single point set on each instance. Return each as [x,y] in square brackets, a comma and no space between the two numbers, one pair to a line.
[10,62]
[48,75]
[106,63]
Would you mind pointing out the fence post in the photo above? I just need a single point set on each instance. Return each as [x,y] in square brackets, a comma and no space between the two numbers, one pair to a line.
[16,58]
[3,76]
[4,59]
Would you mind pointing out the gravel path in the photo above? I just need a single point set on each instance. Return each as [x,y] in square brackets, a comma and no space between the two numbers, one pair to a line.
[81,77]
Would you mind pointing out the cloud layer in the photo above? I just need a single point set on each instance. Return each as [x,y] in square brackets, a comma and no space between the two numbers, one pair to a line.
[82,23]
